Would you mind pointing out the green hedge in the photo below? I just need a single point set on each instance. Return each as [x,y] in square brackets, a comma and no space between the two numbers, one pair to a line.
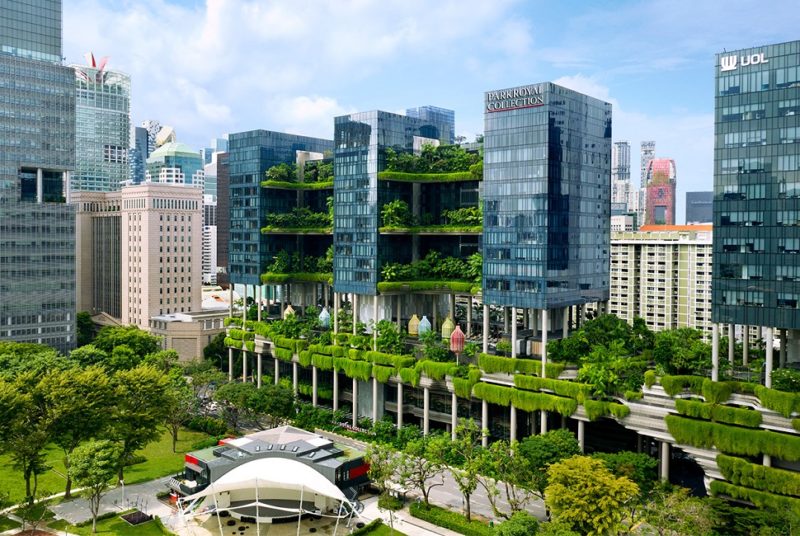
[233,343]
[463,386]
[326,185]
[399,176]
[322,362]
[495,363]
[284,342]
[283,354]
[600,408]
[304,358]
[461,287]
[324,392]
[717,392]
[578,391]
[529,401]
[390,360]
[359,370]
[232,320]
[435,370]
[677,384]
[714,412]
[796,424]
[752,475]
[296,230]
[296,277]
[449,520]
[250,346]
[492,364]
[495,394]
[410,375]
[650,378]
[237,334]
[762,499]
[733,439]
[382,373]
[780,401]
[432,229]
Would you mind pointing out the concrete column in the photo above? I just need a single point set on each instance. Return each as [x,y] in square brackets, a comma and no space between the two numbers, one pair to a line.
[745,345]
[39,186]
[544,341]
[294,378]
[453,415]
[355,402]
[244,307]
[399,311]
[664,466]
[375,322]
[435,315]
[714,352]
[469,316]
[513,332]
[583,314]
[258,302]
[230,364]
[731,343]
[335,390]
[399,405]
[277,372]
[485,328]
[355,314]
[534,322]
[325,295]
[582,435]
[565,324]
[230,300]
[485,423]
[314,386]
[512,428]
[336,300]
[374,400]
[453,307]
[244,366]
[782,358]
[259,358]
[426,410]
[767,460]
[769,341]
[505,319]
[65,178]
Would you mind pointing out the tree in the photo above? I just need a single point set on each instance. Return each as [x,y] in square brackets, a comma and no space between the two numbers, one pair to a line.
[421,464]
[89,355]
[181,406]
[543,450]
[466,449]
[273,402]
[22,357]
[505,467]
[78,402]
[93,466]
[204,377]
[682,351]
[216,351]
[640,468]
[583,493]
[383,465]
[672,510]
[163,360]
[84,327]
[141,404]
[234,399]
[141,342]
[519,524]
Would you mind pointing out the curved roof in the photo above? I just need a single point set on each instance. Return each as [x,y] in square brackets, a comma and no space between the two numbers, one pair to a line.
[273,473]
[174,149]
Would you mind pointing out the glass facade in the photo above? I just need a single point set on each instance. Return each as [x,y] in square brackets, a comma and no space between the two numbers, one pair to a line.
[442,116]
[547,186]
[757,187]
[31,29]
[699,207]
[103,125]
[250,155]
[175,162]
[360,141]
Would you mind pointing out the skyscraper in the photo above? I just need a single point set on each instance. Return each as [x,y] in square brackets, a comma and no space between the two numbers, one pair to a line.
[621,161]
[441,116]
[699,207]
[757,194]
[103,125]
[647,152]
[661,179]
[37,152]
[139,154]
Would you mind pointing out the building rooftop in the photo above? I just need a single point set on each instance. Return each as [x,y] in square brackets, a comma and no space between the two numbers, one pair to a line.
[173,149]
[657,228]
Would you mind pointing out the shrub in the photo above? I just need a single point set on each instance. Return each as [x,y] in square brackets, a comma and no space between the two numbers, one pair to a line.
[449,520]
[369,528]
[650,378]
[463,386]
[382,374]
[495,394]
[410,375]
[783,403]
[209,425]
[359,370]
[322,362]
[435,371]
[528,401]
[283,354]
[786,380]
[761,499]
[492,364]
[717,392]
[575,390]
[676,384]
[389,502]
[751,475]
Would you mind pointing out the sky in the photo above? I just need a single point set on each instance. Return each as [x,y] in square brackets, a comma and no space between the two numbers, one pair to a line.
[220,66]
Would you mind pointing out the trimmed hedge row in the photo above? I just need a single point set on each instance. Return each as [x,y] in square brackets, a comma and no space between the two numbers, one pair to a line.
[578,391]
[752,475]
[382,373]
[322,362]
[327,349]
[304,358]
[389,360]
[461,287]
[713,412]
[524,400]
[449,520]
[780,401]
[762,499]
[359,370]
[733,439]
[509,365]
[454,176]
[283,354]
[296,277]
[463,386]
[435,370]
[494,394]
[235,320]
[674,385]
[600,408]
[410,375]
[326,185]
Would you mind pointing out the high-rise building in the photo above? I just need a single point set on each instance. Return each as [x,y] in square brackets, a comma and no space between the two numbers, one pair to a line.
[250,155]
[546,199]
[139,154]
[37,153]
[223,217]
[699,207]
[621,161]
[175,163]
[102,138]
[152,127]
[757,194]
[663,275]
[661,178]
[209,260]
[218,145]
[647,151]
[441,116]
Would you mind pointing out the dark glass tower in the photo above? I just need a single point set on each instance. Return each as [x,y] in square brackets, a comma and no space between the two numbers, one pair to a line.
[547,174]
[757,188]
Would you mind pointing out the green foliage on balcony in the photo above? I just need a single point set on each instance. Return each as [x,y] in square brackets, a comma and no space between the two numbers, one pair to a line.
[780,401]
[285,342]
[650,378]
[677,384]
[283,354]
[322,362]
[463,383]
[435,268]
[359,370]
[713,412]
[434,370]
[752,475]
[762,499]
[733,439]
[410,376]
[314,171]
[399,176]
[232,321]
[233,343]
[304,358]
[250,346]
[578,391]
[296,277]
[529,401]
[241,335]
[383,373]
[390,360]
[600,408]
[285,185]
[459,287]
[328,349]
[494,394]
[325,392]
[417,229]
[491,364]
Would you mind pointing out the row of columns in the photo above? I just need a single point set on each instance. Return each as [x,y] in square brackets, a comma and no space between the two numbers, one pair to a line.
[769,348]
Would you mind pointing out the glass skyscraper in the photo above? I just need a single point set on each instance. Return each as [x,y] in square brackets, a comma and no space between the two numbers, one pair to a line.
[37,152]
[547,173]
[757,189]
[250,155]
[442,116]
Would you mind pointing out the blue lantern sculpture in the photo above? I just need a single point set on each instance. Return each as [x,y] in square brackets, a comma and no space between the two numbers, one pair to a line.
[424,326]
[325,318]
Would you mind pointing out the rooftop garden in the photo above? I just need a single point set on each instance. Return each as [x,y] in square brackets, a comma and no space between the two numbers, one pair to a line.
[397,216]
[300,220]
[432,272]
[317,175]
[287,268]
[446,163]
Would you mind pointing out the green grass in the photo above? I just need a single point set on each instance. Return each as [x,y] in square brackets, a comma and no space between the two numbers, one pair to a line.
[160,462]
[384,530]
[7,524]
[114,525]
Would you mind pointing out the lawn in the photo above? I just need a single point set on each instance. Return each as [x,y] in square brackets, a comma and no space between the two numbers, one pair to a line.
[7,524]
[114,525]
[160,462]
[383,530]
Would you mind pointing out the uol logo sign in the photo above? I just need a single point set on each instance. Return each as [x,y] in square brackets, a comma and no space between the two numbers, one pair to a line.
[730,63]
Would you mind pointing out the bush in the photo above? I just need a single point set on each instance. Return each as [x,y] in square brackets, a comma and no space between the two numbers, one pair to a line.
[575,390]
[743,473]
[713,412]
[491,364]
[449,520]
[786,380]
[676,384]
[528,401]
[783,403]
[519,524]
[650,378]
[209,425]
[369,528]
[494,394]
[389,502]
[761,499]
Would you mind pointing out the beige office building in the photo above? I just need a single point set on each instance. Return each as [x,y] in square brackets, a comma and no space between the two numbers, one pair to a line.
[662,273]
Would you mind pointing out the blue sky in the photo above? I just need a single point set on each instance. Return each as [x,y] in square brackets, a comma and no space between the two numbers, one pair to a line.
[209,68]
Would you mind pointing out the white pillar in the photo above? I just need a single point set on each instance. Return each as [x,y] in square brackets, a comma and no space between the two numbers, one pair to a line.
[565,324]
[544,341]
[485,423]
[39,186]
[782,358]
[469,316]
[335,315]
[399,311]
[542,422]
[400,405]
[485,328]
[745,344]
[512,427]
[731,343]
[258,368]
[714,352]
[66,178]
[767,460]
[582,435]
[513,332]
[355,402]
[374,400]
[769,341]
[230,364]
[453,415]
[426,410]
[294,377]
[277,371]
[664,461]
[355,314]
[230,300]
[258,302]
[375,322]
[314,382]
[335,390]
[244,366]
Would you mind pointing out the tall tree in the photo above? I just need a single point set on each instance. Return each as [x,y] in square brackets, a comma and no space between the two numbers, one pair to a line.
[382,461]
[583,492]
[543,450]
[504,467]
[671,510]
[234,399]
[78,402]
[421,464]
[88,355]
[271,404]
[93,467]
[182,405]
[163,360]
[141,342]
[84,327]
[466,450]
[20,357]
[141,403]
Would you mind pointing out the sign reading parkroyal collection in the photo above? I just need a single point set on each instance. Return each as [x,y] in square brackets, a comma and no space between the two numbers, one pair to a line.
[514,99]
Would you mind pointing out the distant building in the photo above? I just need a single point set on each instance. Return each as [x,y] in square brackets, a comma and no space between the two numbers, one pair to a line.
[188,333]
[223,218]
[175,163]
[209,240]
[661,178]
[647,151]
[441,116]
[139,154]
[699,207]
[621,161]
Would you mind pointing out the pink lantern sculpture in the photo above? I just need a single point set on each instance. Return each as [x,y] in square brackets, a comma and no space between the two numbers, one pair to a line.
[457,341]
